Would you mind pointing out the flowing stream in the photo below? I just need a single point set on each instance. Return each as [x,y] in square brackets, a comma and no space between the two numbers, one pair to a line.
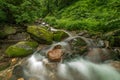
[38,67]
[78,69]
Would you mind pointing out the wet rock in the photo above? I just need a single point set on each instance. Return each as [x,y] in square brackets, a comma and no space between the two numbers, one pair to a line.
[21,49]
[100,43]
[55,54]
[18,71]
[78,45]
[40,34]
[116,65]
[4,65]
[113,37]
[7,30]
[20,79]
[19,36]
[59,35]
[99,55]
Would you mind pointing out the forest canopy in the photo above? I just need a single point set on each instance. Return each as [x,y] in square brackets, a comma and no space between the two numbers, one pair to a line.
[69,14]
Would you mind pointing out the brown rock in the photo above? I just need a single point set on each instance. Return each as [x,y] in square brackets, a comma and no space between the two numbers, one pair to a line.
[55,54]
[116,65]
[98,55]
[20,79]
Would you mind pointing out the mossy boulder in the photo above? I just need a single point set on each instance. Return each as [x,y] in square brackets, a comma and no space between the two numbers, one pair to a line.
[7,30]
[21,49]
[59,35]
[40,34]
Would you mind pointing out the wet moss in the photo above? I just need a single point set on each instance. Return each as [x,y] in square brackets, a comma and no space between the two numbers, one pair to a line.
[21,49]
[7,30]
[40,34]
[59,35]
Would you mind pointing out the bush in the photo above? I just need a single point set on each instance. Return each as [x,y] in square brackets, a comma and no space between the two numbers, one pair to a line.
[96,15]
[23,11]
[51,20]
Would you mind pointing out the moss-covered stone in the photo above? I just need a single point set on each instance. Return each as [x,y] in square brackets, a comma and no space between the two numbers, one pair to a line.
[20,49]
[59,35]
[40,34]
[7,30]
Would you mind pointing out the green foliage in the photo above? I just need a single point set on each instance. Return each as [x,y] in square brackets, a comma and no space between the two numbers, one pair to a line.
[2,16]
[20,11]
[51,20]
[96,15]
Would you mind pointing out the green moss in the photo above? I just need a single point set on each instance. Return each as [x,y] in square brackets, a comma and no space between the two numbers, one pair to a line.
[59,35]
[28,43]
[7,30]
[21,49]
[40,34]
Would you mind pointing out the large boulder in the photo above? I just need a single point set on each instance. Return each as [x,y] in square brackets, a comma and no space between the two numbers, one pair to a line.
[7,30]
[21,49]
[59,35]
[40,34]
[78,45]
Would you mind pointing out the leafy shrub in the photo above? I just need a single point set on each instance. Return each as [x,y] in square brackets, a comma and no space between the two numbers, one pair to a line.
[51,20]
[96,15]
[20,11]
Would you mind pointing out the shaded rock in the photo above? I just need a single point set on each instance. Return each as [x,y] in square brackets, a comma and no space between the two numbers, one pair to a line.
[7,30]
[100,43]
[22,48]
[78,45]
[4,65]
[19,36]
[116,65]
[40,34]
[113,33]
[59,35]
[113,37]
[18,71]
[99,55]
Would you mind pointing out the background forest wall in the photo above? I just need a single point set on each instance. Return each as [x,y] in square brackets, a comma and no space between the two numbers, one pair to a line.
[99,15]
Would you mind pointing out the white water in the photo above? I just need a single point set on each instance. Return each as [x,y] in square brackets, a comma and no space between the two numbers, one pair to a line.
[75,70]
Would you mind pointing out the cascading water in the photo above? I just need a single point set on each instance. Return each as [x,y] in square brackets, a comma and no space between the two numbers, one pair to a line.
[78,69]
[38,67]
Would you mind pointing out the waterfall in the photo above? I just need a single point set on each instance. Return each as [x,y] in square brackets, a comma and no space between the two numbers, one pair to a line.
[78,69]
[38,66]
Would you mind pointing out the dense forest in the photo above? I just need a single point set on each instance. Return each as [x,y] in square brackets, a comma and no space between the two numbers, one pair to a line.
[99,15]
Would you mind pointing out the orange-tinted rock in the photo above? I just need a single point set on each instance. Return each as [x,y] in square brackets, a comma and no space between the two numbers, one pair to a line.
[55,55]
[20,79]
